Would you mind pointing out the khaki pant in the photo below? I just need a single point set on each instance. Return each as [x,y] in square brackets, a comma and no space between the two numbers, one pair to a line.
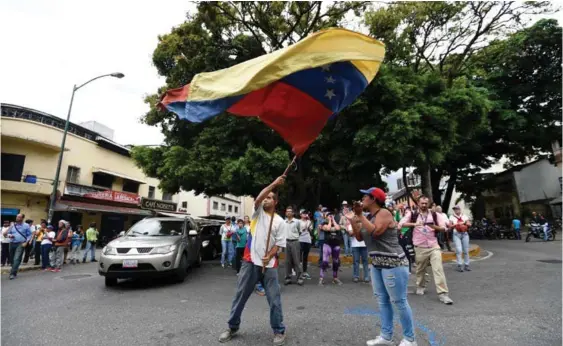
[432,256]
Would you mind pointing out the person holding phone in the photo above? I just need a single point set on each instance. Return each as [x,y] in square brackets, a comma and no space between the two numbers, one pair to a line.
[331,248]
[389,265]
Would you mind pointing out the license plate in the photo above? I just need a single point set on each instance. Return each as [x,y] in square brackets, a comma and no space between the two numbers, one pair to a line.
[130,264]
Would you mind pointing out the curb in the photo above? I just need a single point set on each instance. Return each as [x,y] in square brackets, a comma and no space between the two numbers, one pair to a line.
[474,251]
[27,268]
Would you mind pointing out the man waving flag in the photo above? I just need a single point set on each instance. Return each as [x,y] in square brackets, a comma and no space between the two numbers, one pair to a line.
[294,90]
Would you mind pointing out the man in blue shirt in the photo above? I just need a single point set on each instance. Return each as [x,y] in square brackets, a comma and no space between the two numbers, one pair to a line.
[19,234]
[516,228]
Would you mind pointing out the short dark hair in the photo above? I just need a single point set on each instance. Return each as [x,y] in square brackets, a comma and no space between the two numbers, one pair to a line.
[289,207]
[274,195]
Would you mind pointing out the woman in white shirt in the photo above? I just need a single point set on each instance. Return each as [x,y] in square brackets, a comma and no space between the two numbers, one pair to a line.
[5,244]
[359,253]
[46,245]
[460,224]
[306,227]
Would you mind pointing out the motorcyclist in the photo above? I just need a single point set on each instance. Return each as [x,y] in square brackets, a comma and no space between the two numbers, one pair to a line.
[540,220]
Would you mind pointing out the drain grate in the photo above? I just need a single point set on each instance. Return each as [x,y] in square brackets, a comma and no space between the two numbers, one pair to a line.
[73,277]
[552,261]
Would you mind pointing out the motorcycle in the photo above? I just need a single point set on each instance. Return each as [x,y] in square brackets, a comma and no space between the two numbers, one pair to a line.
[536,230]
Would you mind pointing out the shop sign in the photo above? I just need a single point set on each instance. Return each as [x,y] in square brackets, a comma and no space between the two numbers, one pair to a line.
[10,211]
[154,204]
[114,196]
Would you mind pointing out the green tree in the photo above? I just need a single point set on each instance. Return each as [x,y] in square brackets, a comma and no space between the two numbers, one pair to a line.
[440,38]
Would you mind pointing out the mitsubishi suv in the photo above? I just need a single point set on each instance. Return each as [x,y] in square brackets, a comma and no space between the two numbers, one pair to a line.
[156,246]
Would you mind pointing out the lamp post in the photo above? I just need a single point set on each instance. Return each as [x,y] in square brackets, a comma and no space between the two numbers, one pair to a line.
[59,163]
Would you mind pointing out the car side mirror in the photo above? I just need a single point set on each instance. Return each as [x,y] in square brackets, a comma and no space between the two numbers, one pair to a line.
[192,233]
[121,234]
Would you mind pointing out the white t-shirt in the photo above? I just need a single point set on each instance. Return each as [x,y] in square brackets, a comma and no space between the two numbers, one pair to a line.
[454,218]
[259,232]
[50,234]
[353,241]
[305,227]
[2,238]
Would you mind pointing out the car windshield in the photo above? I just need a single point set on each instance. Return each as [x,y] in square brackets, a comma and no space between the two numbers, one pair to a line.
[156,228]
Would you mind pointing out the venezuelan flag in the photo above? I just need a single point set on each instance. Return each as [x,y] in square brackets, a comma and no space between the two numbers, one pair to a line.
[294,90]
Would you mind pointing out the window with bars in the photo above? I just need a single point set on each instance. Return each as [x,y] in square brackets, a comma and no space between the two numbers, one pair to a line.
[223,207]
[151,191]
[166,196]
[215,205]
[184,204]
[73,174]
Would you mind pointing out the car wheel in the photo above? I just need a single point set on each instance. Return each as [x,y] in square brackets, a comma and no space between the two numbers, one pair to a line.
[111,282]
[199,259]
[181,272]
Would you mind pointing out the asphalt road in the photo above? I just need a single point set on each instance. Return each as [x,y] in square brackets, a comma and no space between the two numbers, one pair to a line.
[510,298]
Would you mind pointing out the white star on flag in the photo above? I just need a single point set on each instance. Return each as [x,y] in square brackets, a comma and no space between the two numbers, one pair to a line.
[330,94]
[330,80]
[325,68]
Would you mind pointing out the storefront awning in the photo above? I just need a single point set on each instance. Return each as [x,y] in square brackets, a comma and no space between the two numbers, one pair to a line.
[75,206]
[180,215]
[556,200]
[105,171]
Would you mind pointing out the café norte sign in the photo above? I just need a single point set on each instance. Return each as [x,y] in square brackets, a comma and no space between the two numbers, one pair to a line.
[153,204]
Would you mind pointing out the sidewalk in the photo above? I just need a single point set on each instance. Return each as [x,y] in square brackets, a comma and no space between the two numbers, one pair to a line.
[447,256]
[31,264]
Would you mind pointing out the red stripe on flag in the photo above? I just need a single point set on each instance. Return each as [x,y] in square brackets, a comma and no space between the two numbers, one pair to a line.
[295,115]
[176,95]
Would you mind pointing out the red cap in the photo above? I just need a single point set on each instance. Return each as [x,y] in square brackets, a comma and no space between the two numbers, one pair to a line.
[376,192]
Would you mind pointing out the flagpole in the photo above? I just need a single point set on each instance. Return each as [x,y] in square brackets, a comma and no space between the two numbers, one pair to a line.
[274,213]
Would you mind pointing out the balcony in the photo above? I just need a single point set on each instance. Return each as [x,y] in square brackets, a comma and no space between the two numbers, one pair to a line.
[29,184]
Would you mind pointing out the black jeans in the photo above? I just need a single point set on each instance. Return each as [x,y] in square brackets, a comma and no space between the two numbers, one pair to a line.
[238,258]
[305,248]
[27,252]
[37,251]
[5,254]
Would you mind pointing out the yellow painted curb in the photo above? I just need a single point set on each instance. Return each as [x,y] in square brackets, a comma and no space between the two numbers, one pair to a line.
[447,256]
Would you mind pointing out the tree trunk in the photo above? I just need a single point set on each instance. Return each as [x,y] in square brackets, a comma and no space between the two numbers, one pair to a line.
[426,181]
[407,189]
[436,178]
[449,190]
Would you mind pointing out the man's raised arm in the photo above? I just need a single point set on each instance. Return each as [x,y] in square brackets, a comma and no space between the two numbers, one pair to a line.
[258,202]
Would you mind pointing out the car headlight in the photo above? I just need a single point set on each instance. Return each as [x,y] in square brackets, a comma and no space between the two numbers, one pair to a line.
[108,250]
[161,250]
[205,243]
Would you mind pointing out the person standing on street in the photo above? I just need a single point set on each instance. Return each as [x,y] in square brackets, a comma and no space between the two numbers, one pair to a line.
[516,225]
[443,236]
[342,221]
[46,245]
[426,248]
[389,265]
[305,241]
[38,238]
[261,262]
[20,236]
[5,244]
[331,248]
[62,240]
[241,237]
[460,224]
[227,230]
[359,252]
[91,240]
[29,246]
[293,248]
[76,245]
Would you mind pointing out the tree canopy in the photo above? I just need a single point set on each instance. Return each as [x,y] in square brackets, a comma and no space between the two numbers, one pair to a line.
[444,101]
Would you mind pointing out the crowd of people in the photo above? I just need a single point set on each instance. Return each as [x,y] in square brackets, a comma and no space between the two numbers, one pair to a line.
[386,241]
[46,245]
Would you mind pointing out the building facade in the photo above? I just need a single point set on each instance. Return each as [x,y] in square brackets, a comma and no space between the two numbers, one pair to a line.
[215,207]
[523,189]
[98,182]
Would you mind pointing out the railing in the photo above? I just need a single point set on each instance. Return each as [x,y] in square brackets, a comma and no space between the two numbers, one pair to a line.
[74,189]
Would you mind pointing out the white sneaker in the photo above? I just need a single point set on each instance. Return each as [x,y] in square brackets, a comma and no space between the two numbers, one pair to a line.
[420,291]
[444,298]
[405,342]
[379,341]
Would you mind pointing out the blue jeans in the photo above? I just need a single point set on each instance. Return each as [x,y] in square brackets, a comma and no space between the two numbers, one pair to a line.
[461,241]
[90,245]
[346,237]
[45,249]
[248,277]
[390,285]
[360,253]
[16,252]
[545,232]
[227,249]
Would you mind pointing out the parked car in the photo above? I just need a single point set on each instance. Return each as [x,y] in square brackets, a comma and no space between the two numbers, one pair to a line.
[211,240]
[156,246]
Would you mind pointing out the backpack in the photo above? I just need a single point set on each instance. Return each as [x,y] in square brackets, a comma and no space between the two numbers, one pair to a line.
[414,217]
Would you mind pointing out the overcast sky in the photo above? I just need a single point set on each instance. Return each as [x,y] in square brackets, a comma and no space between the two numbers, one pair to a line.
[48,46]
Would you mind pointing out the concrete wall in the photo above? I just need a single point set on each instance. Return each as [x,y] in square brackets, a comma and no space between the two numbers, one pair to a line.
[538,181]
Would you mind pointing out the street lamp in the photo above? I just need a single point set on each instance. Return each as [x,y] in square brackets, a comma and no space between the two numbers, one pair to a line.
[57,174]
